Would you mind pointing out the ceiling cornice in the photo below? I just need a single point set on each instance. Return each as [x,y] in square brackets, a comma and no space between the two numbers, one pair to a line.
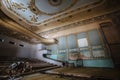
[10,24]
[65,14]
[7,5]
[35,10]
[87,17]
[67,19]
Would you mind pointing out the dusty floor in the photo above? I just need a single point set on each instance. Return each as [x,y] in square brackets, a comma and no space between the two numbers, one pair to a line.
[102,72]
[106,72]
[39,76]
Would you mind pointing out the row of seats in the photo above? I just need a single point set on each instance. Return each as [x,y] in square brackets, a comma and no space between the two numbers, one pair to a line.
[36,64]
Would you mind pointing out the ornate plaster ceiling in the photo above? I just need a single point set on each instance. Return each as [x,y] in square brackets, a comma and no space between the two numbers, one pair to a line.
[10,28]
[51,7]
[46,17]
[35,12]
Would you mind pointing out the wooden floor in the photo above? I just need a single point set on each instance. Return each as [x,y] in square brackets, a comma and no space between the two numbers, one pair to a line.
[92,72]
[39,76]
[107,74]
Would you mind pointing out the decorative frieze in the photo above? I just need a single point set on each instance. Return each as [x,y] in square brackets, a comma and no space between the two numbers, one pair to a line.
[79,23]
[14,34]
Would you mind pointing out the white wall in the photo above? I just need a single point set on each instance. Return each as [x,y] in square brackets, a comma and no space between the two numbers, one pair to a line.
[7,49]
[14,50]
[36,50]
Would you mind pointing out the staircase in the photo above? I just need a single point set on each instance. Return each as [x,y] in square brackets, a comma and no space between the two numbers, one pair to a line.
[51,61]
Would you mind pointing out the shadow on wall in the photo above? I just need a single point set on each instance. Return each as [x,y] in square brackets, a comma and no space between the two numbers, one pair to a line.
[13,47]
[8,52]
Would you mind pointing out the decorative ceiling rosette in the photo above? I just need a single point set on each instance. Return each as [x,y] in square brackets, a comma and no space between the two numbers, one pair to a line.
[55,2]
[50,7]
[39,12]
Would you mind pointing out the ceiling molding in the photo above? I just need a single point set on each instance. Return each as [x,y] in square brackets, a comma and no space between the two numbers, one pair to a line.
[14,34]
[55,2]
[36,25]
[73,25]
[37,11]
[35,20]
[10,24]
[72,12]
[105,8]
[80,23]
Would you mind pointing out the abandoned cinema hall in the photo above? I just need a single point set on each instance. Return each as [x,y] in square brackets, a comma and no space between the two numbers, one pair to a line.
[59,39]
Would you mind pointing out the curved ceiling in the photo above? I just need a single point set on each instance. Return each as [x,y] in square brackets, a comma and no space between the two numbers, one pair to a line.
[53,6]
[34,12]
[36,18]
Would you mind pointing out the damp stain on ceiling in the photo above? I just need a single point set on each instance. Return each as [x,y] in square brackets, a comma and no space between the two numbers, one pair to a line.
[38,11]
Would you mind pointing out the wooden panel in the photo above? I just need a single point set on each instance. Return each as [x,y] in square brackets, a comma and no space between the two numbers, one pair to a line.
[115,49]
[112,36]
[111,33]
